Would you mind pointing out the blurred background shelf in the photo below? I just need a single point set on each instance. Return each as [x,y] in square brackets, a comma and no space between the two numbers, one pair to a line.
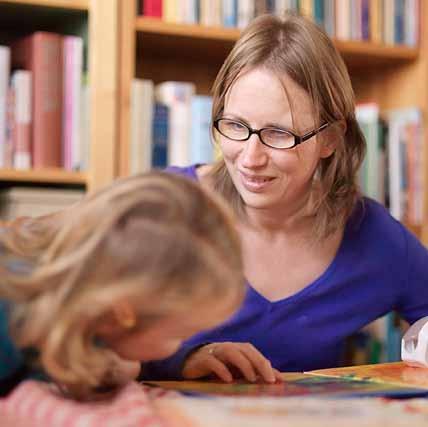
[187,40]
[64,4]
[45,176]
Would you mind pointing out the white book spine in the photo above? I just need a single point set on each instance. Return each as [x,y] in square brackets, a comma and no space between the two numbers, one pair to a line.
[84,139]
[177,96]
[394,166]
[77,70]
[71,114]
[142,104]
[246,12]
[4,84]
[22,86]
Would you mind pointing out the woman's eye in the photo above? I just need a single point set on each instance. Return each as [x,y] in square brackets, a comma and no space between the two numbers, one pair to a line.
[235,126]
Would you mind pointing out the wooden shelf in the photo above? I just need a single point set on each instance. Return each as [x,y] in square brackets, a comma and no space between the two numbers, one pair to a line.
[48,176]
[157,26]
[167,39]
[63,4]
[415,229]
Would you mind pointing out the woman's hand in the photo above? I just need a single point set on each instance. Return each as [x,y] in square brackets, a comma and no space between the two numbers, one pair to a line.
[220,358]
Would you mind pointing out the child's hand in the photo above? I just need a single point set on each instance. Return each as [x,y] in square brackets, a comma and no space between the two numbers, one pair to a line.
[221,358]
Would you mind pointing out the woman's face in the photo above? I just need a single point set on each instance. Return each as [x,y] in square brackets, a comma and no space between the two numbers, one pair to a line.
[269,178]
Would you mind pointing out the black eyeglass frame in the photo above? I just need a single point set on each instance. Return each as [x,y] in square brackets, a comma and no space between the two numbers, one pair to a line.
[298,139]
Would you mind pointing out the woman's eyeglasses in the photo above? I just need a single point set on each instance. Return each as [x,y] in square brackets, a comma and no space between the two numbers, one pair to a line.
[272,137]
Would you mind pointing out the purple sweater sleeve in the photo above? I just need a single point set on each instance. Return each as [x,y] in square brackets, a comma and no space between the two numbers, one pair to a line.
[170,368]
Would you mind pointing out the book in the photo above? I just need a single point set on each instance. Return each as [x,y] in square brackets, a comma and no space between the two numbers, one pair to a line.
[26,201]
[230,13]
[84,125]
[71,113]
[201,146]
[371,176]
[246,12]
[4,84]
[9,144]
[300,411]
[142,98]
[152,8]
[21,84]
[177,96]
[41,53]
[160,132]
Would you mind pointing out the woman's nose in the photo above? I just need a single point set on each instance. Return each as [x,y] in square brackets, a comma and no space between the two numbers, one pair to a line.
[254,153]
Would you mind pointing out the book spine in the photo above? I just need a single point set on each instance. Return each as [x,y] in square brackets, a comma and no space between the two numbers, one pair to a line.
[152,8]
[73,64]
[4,84]
[41,53]
[201,148]
[160,135]
[22,86]
[229,13]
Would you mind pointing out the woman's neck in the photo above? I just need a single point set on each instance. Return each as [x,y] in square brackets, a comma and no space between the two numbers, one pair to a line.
[268,223]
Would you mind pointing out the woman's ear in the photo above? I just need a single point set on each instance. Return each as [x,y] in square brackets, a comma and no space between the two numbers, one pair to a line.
[331,137]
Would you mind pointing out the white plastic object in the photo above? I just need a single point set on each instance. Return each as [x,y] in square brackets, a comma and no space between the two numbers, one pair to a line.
[414,344]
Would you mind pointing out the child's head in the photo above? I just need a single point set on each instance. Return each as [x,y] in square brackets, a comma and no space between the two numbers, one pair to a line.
[135,268]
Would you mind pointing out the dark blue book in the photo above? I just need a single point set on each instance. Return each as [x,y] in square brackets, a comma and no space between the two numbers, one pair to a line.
[160,132]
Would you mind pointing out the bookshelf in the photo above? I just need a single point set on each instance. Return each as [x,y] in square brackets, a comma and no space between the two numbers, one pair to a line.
[100,19]
[65,4]
[46,176]
[394,76]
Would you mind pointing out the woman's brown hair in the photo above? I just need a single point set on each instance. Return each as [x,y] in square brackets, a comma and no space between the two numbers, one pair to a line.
[295,46]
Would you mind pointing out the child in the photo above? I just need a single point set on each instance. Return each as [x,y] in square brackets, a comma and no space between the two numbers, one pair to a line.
[122,277]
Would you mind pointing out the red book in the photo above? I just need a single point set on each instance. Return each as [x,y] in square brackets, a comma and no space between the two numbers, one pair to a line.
[151,8]
[41,53]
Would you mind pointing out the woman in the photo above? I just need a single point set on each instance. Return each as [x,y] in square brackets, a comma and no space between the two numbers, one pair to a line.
[321,261]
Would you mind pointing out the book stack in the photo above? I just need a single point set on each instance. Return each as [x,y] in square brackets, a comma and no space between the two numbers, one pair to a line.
[392,171]
[28,201]
[170,125]
[41,96]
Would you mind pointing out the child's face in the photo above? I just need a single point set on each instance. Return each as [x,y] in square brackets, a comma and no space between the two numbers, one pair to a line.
[163,338]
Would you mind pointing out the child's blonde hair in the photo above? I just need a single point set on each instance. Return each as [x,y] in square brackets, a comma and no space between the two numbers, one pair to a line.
[156,240]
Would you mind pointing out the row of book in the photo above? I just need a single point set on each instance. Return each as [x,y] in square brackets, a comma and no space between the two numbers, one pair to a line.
[44,117]
[380,21]
[16,202]
[170,125]
[392,172]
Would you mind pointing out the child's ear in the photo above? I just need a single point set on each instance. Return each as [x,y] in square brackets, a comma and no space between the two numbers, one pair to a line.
[331,137]
[125,315]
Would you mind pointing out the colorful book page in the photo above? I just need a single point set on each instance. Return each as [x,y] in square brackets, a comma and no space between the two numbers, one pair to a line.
[295,384]
[397,373]
[291,412]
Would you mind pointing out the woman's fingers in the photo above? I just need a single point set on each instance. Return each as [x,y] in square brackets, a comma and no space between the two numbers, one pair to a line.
[202,363]
[220,358]
[278,376]
[232,354]
[260,363]
[220,369]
